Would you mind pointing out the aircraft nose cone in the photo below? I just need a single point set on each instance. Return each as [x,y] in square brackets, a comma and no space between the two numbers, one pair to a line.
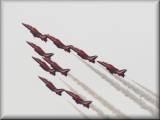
[29,43]
[67,92]
[51,54]
[36,59]
[100,62]
[40,77]
[43,80]
[24,24]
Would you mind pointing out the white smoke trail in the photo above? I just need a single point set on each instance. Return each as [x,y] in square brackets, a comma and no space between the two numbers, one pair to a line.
[85,116]
[103,101]
[76,109]
[93,107]
[138,91]
[126,92]
[135,89]
[148,90]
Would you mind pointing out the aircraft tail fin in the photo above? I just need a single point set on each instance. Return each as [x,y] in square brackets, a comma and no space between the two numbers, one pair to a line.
[121,72]
[52,71]
[87,103]
[65,71]
[48,55]
[43,37]
[67,48]
[58,91]
[92,58]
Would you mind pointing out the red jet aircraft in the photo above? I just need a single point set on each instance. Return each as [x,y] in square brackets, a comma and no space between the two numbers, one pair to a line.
[58,43]
[51,86]
[35,32]
[78,99]
[44,66]
[112,69]
[55,66]
[83,54]
[39,50]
